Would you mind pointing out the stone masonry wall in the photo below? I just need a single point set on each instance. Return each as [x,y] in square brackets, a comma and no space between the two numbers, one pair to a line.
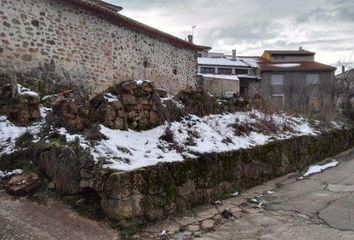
[158,191]
[86,50]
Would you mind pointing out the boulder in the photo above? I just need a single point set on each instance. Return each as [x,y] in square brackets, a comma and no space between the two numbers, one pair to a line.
[23,184]
[74,114]
[198,103]
[129,85]
[129,99]
[161,92]
[63,166]
[21,105]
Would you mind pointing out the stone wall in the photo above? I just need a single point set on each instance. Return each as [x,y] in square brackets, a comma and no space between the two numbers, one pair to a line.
[130,104]
[79,48]
[158,191]
[221,87]
[20,105]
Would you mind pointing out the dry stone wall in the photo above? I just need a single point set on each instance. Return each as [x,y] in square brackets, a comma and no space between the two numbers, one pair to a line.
[130,104]
[83,49]
[21,105]
[158,191]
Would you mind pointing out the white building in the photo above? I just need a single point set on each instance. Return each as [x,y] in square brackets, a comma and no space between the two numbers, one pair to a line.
[223,68]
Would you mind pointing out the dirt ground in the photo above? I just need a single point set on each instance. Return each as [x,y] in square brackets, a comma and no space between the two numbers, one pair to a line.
[22,219]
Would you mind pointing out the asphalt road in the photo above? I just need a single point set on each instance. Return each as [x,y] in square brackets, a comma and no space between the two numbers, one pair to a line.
[318,207]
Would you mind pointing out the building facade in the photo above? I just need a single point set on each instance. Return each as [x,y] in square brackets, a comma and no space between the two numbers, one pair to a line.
[226,74]
[293,81]
[88,43]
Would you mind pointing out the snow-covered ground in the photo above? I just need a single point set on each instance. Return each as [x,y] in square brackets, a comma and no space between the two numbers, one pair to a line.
[26,91]
[9,132]
[129,150]
[171,98]
[176,141]
[10,173]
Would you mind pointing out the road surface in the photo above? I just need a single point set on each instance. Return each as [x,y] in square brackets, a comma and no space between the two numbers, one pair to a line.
[288,208]
[22,219]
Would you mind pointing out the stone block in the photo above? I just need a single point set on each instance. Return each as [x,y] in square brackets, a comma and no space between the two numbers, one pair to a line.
[23,184]
[129,99]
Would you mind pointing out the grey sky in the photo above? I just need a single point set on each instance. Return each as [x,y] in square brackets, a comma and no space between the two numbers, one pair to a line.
[250,26]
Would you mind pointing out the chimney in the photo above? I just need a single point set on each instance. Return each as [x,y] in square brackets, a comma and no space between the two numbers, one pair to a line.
[233,55]
[343,69]
[190,38]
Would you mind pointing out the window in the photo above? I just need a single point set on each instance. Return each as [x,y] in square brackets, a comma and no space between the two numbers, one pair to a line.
[277,79]
[312,79]
[224,70]
[207,70]
[239,71]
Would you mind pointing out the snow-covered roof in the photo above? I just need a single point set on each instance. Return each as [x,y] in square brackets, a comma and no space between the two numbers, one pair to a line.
[222,62]
[251,61]
[221,76]
[286,65]
[248,76]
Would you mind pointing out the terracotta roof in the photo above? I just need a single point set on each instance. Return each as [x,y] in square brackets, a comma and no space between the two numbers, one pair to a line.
[110,13]
[295,67]
[290,52]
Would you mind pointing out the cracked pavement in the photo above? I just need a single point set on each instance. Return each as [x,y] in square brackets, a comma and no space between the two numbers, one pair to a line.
[320,206]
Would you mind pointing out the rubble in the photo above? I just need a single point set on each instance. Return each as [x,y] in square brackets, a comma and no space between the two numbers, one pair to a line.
[23,184]
[21,106]
[131,104]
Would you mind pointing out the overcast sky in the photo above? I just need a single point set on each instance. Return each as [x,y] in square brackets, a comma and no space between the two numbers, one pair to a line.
[250,26]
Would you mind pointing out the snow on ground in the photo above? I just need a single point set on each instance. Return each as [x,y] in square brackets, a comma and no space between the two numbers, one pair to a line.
[320,168]
[140,82]
[11,173]
[26,91]
[171,98]
[9,132]
[109,97]
[176,141]
[129,150]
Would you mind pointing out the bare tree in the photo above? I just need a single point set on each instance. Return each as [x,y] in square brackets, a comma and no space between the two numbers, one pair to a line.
[344,86]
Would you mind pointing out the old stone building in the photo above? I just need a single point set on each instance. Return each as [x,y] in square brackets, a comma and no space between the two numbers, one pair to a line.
[88,43]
